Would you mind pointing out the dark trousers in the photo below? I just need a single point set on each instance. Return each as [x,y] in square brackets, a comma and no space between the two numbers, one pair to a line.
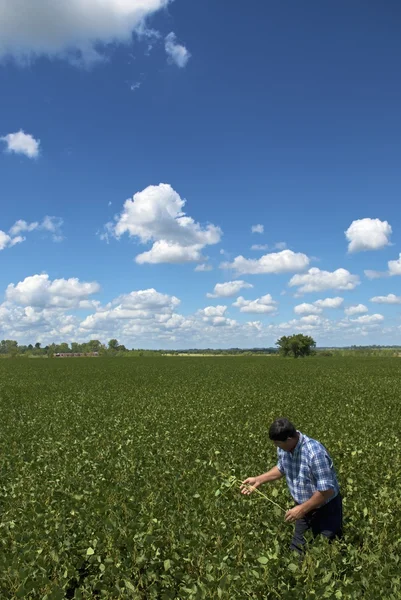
[326,520]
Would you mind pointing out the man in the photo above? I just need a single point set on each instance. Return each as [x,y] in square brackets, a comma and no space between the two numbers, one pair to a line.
[312,481]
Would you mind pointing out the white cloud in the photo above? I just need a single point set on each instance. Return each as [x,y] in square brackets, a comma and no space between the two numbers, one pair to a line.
[276,262]
[277,245]
[375,274]
[213,311]
[17,240]
[170,252]
[265,304]
[155,215]
[228,289]
[53,225]
[20,142]
[368,234]
[389,299]
[203,267]
[257,326]
[215,316]
[329,302]
[311,320]
[306,324]
[70,28]
[307,309]
[7,241]
[145,313]
[260,247]
[316,280]
[50,224]
[257,228]
[139,307]
[176,53]
[342,332]
[39,291]
[148,318]
[356,309]
[146,299]
[369,319]
[394,266]
[143,318]
[21,226]
[4,240]
[317,307]
[31,323]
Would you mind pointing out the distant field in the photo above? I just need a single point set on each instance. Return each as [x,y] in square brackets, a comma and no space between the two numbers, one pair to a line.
[213,355]
[112,475]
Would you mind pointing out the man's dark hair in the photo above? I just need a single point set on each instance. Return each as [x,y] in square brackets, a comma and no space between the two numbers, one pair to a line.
[281,430]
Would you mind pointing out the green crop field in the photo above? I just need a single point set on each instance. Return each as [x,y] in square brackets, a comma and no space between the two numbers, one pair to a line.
[115,477]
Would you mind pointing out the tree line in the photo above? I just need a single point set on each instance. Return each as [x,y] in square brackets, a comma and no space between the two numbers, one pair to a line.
[296,346]
[113,348]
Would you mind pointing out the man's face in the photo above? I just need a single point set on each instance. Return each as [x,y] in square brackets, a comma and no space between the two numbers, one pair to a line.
[288,445]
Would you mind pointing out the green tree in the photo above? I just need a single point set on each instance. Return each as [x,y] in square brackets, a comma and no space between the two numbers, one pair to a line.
[113,344]
[297,345]
[94,346]
[9,347]
[12,348]
[63,348]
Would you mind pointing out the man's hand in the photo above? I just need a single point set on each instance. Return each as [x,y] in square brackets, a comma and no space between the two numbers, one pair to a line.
[249,485]
[298,512]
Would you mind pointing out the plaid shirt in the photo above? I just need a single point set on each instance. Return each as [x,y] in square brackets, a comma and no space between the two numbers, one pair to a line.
[308,469]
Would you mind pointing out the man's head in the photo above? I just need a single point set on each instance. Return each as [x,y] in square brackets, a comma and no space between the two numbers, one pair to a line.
[283,433]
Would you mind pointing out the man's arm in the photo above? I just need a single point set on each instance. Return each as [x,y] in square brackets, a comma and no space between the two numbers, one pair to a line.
[271,475]
[298,512]
[250,484]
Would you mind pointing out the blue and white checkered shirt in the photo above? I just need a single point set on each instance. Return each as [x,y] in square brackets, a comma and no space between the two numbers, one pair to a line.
[308,469]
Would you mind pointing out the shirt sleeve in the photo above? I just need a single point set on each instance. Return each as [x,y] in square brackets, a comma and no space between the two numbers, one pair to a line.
[280,465]
[322,471]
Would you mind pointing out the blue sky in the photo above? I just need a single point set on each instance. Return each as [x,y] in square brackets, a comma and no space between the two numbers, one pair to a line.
[285,116]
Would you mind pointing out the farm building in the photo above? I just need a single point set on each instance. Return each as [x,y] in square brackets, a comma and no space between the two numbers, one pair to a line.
[74,354]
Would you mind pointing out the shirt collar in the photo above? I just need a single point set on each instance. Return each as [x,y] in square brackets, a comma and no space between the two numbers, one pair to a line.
[299,444]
